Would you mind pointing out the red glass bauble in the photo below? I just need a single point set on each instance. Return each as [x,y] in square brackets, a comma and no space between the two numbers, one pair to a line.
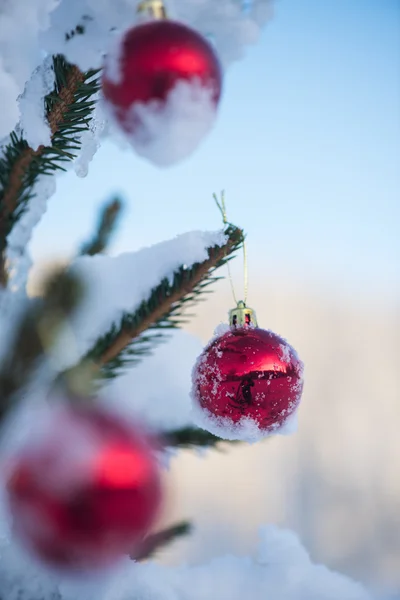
[151,59]
[248,376]
[85,491]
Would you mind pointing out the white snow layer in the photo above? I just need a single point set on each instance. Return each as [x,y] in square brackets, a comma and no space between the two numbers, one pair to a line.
[115,285]
[281,571]
[230,24]
[8,94]
[35,128]
[167,132]
[245,430]
[157,390]
[18,258]
[21,22]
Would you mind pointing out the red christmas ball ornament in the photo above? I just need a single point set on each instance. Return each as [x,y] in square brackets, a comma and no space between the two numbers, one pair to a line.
[162,85]
[84,490]
[247,382]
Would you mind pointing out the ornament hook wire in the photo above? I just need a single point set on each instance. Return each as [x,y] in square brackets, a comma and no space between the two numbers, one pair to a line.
[222,208]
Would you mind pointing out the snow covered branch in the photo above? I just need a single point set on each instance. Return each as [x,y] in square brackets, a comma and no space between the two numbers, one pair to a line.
[166,302]
[162,309]
[36,332]
[281,570]
[68,110]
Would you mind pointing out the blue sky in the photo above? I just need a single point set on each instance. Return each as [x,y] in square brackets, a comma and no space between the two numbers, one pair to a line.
[307,147]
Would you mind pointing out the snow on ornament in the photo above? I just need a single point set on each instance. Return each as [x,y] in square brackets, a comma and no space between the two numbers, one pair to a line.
[247,383]
[161,85]
[84,489]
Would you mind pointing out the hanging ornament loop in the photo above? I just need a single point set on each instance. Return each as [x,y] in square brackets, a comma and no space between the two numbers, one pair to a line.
[154,8]
[241,316]
[222,207]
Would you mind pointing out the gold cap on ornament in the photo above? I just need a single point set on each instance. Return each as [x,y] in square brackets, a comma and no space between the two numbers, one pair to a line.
[154,8]
[242,316]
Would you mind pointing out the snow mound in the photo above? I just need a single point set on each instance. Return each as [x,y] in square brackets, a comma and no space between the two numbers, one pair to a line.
[281,571]
[166,133]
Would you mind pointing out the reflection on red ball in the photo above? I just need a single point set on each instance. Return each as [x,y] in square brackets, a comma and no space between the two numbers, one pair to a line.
[152,58]
[249,373]
[86,491]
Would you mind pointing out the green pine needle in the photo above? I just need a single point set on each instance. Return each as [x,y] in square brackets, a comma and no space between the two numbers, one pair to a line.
[185,286]
[68,109]
[193,437]
[109,217]
[153,543]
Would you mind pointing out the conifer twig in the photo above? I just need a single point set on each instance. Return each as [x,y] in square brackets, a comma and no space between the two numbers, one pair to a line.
[190,437]
[164,309]
[156,541]
[166,304]
[68,110]
[36,332]
[107,223]
[55,118]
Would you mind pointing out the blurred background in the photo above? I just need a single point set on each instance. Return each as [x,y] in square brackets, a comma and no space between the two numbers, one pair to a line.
[307,147]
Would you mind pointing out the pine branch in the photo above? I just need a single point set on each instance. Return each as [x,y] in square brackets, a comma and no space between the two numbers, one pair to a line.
[137,332]
[190,437]
[155,542]
[163,309]
[36,333]
[109,216]
[68,110]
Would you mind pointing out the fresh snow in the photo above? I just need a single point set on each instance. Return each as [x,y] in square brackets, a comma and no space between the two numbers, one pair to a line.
[226,23]
[157,390]
[245,430]
[282,570]
[167,132]
[35,128]
[21,23]
[115,285]
[18,258]
[91,140]
[8,94]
